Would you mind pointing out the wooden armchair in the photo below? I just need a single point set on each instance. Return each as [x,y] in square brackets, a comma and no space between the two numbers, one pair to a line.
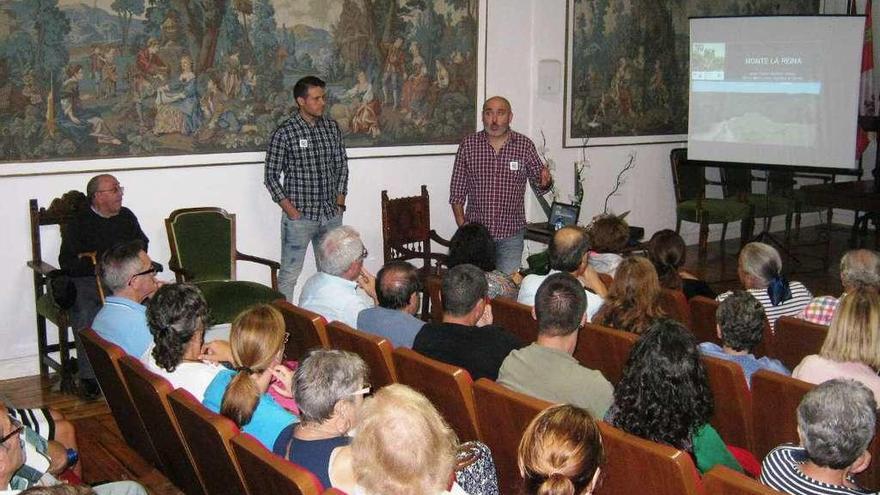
[516,318]
[373,349]
[265,472]
[604,349]
[796,339]
[306,330]
[721,480]
[733,402]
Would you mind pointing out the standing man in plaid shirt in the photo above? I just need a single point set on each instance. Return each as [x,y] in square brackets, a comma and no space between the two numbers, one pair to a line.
[307,150]
[490,172]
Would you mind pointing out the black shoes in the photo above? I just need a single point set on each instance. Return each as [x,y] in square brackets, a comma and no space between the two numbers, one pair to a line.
[88,389]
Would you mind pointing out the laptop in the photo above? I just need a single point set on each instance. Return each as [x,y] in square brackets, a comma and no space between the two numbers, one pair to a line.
[561,215]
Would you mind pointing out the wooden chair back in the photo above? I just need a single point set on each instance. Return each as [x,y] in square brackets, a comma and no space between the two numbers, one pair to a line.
[733,402]
[502,416]
[209,437]
[149,392]
[689,179]
[775,399]
[604,349]
[373,349]
[448,387]
[104,357]
[406,229]
[796,339]
[516,318]
[675,305]
[721,480]
[703,319]
[661,469]
[265,472]
[307,330]
[433,285]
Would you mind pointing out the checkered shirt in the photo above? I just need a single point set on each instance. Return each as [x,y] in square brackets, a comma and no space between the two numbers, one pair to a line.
[313,162]
[494,193]
[820,310]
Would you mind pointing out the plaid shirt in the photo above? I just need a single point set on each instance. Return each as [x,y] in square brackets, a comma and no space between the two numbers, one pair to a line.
[494,184]
[314,164]
[820,310]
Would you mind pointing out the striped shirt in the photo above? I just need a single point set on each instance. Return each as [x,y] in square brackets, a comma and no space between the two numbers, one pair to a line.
[800,297]
[313,162]
[494,184]
[780,471]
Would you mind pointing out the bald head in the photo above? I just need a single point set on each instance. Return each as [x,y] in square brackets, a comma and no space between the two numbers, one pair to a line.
[396,283]
[568,249]
[497,100]
[860,269]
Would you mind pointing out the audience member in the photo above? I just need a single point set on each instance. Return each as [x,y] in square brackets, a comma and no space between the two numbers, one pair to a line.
[560,452]
[568,253]
[546,368]
[397,290]
[257,341]
[633,301]
[608,235]
[104,224]
[664,396]
[403,446]
[50,424]
[740,323]
[466,336]
[329,388]
[760,272]
[859,269]
[472,244]
[62,489]
[177,317]
[667,252]
[333,291]
[130,276]
[836,423]
[852,347]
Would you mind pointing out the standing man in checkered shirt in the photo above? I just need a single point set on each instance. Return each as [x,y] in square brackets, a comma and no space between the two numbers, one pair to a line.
[307,150]
[490,172]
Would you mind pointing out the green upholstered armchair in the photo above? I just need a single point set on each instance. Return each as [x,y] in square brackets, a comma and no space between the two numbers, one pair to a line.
[737,183]
[692,205]
[203,252]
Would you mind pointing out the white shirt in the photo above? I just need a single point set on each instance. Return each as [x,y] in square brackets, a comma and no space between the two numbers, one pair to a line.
[334,298]
[192,376]
[529,287]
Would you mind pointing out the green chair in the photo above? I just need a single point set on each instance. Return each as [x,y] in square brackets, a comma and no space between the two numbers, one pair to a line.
[203,252]
[693,206]
[737,183]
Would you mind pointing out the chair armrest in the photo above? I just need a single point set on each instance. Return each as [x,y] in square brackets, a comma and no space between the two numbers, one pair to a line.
[439,257]
[274,266]
[41,267]
[439,240]
[91,255]
[180,274]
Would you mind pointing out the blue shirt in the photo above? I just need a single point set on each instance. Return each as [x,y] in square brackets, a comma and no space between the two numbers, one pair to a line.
[124,323]
[395,325]
[334,298]
[748,362]
[269,417]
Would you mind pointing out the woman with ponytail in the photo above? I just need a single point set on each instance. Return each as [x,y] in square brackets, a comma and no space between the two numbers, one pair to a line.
[666,250]
[760,272]
[177,316]
[257,341]
[560,453]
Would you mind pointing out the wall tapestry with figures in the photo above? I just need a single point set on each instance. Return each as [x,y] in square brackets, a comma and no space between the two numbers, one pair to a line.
[85,79]
[627,65]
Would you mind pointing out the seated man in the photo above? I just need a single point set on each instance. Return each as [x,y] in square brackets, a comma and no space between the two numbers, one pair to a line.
[568,252]
[397,290]
[334,292]
[96,229]
[740,324]
[859,269]
[130,276]
[546,369]
[836,422]
[608,236]
[466,336]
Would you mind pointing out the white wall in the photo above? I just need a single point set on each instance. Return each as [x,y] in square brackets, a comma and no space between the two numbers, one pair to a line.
[519,33]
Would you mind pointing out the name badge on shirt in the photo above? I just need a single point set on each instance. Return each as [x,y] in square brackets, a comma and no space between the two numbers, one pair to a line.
[303,143]
[514,165]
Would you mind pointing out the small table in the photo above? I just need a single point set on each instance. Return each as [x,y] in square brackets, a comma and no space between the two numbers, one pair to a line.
[542,232]
[859,196]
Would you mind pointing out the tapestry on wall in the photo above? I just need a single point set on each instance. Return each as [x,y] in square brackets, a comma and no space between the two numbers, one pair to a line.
[125,78]
[627,65]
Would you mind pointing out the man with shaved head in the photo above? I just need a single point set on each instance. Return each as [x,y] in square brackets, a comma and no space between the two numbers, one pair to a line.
[397,290]
[489,181]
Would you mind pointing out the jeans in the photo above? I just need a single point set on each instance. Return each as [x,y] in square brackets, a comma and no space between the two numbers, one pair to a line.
[508,253]
[295,238]
[85,307]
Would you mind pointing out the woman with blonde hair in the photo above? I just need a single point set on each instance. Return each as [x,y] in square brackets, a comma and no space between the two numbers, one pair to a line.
[560,452]
[257,341]
[633,301]
[852,347]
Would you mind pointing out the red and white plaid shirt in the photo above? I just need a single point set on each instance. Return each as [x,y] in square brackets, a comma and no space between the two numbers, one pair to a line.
[820,310]
[493,185]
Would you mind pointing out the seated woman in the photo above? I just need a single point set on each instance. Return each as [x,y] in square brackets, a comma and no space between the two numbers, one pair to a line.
[664,396]
[666,250]
[836,423]
[608,237]
[177,315]
[329,388]
[560,452]
[760,272]
[473,245]
[852,346]
[633,300]
[257,341]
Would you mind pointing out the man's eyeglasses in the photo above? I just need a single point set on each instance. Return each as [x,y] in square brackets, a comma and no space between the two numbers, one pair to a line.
[149,271]
[114,190]
[364,253]
[363,391]
[16,429]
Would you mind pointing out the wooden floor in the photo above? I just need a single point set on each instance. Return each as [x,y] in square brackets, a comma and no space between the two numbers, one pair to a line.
[105,456]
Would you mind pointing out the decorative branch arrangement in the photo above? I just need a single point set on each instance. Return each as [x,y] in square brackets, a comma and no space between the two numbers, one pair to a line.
[619,181]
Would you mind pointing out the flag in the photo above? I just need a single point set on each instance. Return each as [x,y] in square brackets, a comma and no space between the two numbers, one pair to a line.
[867,97]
